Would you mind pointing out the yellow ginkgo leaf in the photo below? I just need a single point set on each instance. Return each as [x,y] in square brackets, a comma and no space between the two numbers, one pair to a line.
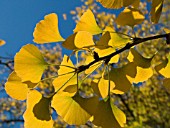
[79,40]
[122,77]
[74,110]
[133,17]
[88,23]
[46,31]
[166,70]
[108,51]
[115,4]
[143,66]
[117,40]
[103,86]
[104,116]
[92,68]
[29,64]
[37,114]
[67,76]
[15,88]
[156,10]
[119,115]
[2,42]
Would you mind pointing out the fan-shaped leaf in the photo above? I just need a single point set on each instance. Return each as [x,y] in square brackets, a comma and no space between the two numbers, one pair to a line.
[37,114]
[88,23]
[46,31]
[133,17]
[115,4]
[142,65]
[105,117]
[74,110]
[79,40]
[117,40]
[29,64]
[15,88]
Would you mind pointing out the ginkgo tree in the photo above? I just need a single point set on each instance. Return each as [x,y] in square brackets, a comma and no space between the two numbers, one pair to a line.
[68,100]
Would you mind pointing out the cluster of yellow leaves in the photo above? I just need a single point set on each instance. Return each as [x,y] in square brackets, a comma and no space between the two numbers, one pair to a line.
[69,104]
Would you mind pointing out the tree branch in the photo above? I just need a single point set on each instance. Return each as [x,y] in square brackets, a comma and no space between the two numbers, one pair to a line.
[12,120]
[128,46]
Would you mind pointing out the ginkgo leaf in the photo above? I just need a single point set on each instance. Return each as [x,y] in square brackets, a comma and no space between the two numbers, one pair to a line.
[105,117]
[88,23]
[79,40]
[103,86]
[46,31]
[37,114]
[122,77]
[166,70]
[142,65]
[74,110]
[115,4]
[15,88]
[156,10]
[69,78]
[166,84]
[29,64]
[108,51]
[119,115]
[133,17]
[92,68]
[117,40]
[2,42]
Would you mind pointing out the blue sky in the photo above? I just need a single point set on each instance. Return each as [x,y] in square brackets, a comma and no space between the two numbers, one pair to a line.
[19,17]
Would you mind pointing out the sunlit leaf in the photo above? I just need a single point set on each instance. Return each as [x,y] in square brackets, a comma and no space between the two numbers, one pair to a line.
[88,23]
[15,88]
[74,110]
[166,70]
[79,40]
[37,114]
[142,65]
[88,60]
[66,68]
[133,17]
[119,115]
[103,86]
[2,42]
[115,4]
[117,40]
[156,10]
[29,64]
[46,31]
[108,51]
[136,3]
[104,116]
